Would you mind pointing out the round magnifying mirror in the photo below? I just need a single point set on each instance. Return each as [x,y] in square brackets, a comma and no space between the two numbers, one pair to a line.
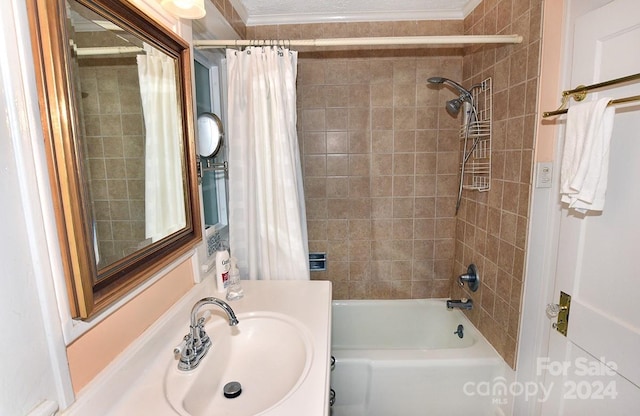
[210,134]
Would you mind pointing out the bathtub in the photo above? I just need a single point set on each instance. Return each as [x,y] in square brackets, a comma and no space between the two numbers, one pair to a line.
[402,358]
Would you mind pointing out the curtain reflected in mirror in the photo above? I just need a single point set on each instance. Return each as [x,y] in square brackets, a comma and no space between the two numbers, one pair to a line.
[130,136]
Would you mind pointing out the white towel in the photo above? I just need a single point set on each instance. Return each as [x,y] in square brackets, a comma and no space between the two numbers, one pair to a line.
[585,161]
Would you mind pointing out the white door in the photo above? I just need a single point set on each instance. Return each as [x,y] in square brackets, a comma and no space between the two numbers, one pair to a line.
[599,255]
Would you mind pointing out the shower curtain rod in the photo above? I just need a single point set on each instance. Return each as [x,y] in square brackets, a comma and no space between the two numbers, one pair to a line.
[108,50]
[372,41]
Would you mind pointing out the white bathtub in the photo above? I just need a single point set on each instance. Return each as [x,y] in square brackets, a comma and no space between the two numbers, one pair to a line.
[402,358]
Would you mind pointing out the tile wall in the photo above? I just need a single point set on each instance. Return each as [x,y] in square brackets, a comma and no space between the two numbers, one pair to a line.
[231,15]
[115,156]
[380,159]
[491,230]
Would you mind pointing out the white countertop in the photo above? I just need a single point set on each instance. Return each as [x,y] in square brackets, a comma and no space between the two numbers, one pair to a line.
[134,383]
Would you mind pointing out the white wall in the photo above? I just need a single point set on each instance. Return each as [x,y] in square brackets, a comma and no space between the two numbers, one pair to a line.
[33,368]
[27,374]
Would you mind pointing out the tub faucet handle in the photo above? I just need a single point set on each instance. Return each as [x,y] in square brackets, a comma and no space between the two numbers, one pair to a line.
[472,278]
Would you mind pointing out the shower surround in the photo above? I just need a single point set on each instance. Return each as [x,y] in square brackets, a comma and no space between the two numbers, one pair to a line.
[381,162]
[492,227]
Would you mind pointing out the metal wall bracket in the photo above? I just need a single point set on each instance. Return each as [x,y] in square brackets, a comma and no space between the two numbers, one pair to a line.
[208,165]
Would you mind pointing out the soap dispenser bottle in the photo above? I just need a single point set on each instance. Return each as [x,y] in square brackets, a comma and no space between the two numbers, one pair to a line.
[234,290]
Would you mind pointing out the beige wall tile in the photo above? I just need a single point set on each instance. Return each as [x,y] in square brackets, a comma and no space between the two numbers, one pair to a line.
[392,158]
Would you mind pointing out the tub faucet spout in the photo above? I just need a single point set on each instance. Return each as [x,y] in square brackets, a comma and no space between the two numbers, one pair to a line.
[460,303]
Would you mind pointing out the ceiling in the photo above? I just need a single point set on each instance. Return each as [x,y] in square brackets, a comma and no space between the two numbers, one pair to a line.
[269,12]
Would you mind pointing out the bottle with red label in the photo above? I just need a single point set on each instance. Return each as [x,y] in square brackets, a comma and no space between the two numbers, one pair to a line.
[223,265]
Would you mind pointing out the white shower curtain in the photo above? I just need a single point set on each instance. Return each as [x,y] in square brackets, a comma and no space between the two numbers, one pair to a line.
[164,192]
[267,221]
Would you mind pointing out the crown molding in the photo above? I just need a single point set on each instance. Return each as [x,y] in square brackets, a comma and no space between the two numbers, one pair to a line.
[469,7]
[279,19]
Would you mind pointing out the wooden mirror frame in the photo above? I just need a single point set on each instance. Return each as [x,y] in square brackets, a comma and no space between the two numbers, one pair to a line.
[91,290]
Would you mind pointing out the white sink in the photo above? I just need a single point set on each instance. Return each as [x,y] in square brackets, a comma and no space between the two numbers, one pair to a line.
[279,352]
[268,353]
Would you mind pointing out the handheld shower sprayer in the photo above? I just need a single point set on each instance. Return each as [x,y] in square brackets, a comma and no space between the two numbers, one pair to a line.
[441,80]
[453,106]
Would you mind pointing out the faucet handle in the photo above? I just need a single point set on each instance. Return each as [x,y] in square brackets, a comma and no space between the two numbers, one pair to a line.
[177,351]
[472,277]
[203,318]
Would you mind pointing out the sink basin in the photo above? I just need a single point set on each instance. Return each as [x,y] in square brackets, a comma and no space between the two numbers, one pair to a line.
[268,353]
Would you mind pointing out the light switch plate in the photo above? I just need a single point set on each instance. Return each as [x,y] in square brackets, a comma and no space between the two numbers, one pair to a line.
[544,174]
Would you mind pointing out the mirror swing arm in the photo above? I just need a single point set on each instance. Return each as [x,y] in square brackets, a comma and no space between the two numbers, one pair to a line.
[208,165]
[90,289]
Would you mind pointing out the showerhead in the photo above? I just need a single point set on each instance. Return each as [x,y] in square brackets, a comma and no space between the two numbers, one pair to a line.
[453,106]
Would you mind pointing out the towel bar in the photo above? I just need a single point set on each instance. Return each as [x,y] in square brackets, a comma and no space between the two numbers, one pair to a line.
[580,92]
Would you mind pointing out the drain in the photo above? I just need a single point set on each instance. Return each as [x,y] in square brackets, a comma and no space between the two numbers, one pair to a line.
[460,331]
[232,390]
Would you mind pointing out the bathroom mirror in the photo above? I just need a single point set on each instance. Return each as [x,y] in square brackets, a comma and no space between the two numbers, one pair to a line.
[116,108]
[210,134]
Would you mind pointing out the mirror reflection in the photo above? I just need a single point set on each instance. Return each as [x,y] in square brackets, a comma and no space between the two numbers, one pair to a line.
[211,138]
[130,135]
[210,134]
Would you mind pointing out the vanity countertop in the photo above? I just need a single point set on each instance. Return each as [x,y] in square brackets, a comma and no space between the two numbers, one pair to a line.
[134,384]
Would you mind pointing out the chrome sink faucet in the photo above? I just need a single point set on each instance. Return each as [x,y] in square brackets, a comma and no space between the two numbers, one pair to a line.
[196,343]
